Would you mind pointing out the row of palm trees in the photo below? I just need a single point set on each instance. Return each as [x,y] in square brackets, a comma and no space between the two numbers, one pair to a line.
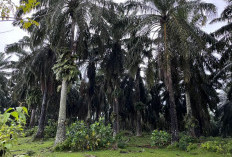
[138,59]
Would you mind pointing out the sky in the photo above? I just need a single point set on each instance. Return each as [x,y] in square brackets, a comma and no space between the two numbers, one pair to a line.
[10,34]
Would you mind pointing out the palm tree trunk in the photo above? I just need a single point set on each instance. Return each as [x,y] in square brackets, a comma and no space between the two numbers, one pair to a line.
[40,131]
[188,103]
[138,124]
[60,134]
[172,110]
[138,112]
[169,86]
[88,118]
[32,120]
[189,114]
[116,118]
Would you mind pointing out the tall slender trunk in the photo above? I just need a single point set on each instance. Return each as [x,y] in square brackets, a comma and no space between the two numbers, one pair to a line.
[172,110]
[138,110]
[190,118]
[169,86]
[188,103]
[116,117]
[37,115]
[138,124]
[32,120]
[88,118]
[40,131]
[106,114]
[60,134]
[97,114]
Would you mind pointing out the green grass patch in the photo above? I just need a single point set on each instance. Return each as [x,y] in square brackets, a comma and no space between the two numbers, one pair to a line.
[137,147]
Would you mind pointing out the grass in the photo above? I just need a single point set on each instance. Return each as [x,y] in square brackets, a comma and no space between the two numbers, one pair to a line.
[137,147]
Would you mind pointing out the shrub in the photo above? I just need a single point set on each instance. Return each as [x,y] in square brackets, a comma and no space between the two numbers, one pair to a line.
[184,141]
[160,138]
[11,127]
[121,139]
[192,146]
[50,129]
[80,137]
[30,131]
[173,145]
[218,146]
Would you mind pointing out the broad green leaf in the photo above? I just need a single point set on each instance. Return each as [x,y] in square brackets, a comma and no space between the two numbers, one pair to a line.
[25,110]
[5,117]
[15,115]
[8,110]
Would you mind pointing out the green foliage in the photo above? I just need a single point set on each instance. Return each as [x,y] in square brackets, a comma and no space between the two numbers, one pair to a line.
[121,140]
[30,131]
[50,129]
[190,122]
[160,138]
[185,141]
[80,137]
[11,127]
[192,146]
[173,146]
[139,105]
[221,146]
[33,97]
[8,7]
[27,6]
[65,68]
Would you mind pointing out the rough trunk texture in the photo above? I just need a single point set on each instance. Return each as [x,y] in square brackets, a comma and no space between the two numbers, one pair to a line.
[188,103]
[116,118]
[169,86]
[40,131]
[88,118]
[172,110]
[32,120]
[189,115]
[138,110]
[107,117]
[60,134]
[138,124]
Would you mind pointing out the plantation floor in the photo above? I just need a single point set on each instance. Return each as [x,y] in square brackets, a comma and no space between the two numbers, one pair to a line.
[137,147]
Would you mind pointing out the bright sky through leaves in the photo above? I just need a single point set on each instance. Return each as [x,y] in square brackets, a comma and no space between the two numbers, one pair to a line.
[10,34]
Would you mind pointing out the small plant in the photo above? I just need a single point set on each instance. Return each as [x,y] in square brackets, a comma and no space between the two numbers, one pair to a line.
[184,141]
[192,146]
[30,131]
[50,129]
[80,137]
[121,140]
[173,145]
[218,146]
[11,127]
[160,138]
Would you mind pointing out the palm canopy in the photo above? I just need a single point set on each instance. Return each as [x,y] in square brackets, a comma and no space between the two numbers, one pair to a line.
[170,21]
[4,65]
[179,16]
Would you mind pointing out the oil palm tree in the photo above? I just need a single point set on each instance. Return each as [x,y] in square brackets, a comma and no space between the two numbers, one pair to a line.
[34,68]
[168,20]
[225,65]
[4,97]
[67,33]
